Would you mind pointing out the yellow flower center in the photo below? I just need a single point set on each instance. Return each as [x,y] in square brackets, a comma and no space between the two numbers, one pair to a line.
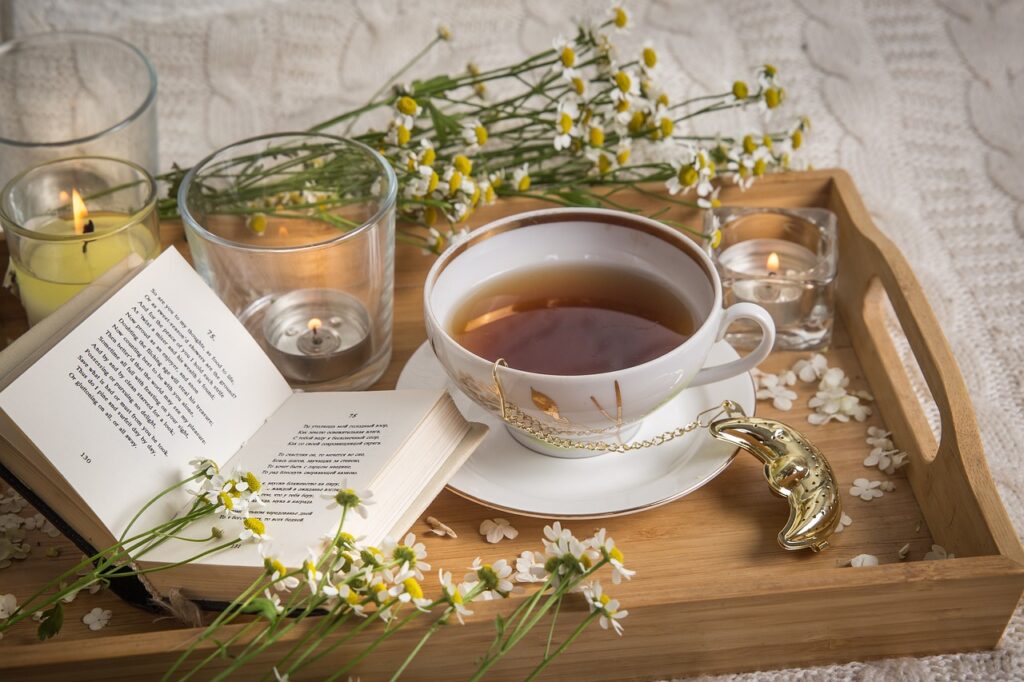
[463,164]
[623,81]
[432,181]
[524,183]
[428,157]
[258,223]
[380,587]
[456,596]
[585,560]
[564,123]
[667,126]
[309,567]
[616,553]
[489,194]
[716,239]
[749,144]
[481,135]
[475,198]
[604,599]
[412,587]
[688,176]
[254,483]
[740,90]
[622,105]
[568,57]
[455,182]
[352,597]
[226,500]
[255,525]
[596,137]
[772,97]
[604,164]
[767,141]
[759,167]
[619,17]
[411,163]
[273,566]
[637,122]
[403,135]
[744,172]
[715,202]
[770,70]
[430,217]
[663,99]
[407,105]
[623,156]
[650,57]
[797,138]
[579,85]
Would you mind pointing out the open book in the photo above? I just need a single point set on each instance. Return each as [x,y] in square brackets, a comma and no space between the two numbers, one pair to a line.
[106,402]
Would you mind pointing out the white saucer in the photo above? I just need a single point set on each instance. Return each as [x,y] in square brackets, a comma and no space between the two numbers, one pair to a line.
[512,478]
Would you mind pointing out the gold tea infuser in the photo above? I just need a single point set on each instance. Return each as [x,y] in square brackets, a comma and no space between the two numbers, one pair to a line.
[794,467]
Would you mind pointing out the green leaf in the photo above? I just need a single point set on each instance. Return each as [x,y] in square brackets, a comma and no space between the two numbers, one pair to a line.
[51,623]
[576,196]
[432,85]
[499,625]
[444,125]
[262,606]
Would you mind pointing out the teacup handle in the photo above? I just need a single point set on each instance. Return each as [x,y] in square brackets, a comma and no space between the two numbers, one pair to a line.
[738,311]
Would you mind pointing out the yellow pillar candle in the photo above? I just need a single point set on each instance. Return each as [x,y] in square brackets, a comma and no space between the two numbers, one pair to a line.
[48,273]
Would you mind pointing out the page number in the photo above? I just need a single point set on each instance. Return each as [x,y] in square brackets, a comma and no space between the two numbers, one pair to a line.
[86,458]
[353,415]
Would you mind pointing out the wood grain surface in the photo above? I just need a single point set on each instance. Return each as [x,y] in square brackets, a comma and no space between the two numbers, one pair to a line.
[714,592]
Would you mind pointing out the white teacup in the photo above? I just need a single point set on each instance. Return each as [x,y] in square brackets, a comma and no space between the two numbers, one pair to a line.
[607,406]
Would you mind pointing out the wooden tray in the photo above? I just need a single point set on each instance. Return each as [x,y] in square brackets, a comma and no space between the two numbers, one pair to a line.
[714,592]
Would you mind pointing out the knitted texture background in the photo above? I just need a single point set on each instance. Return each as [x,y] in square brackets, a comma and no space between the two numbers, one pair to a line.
[922,101]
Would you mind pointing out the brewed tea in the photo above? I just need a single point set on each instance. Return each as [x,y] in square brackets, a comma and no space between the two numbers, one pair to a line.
[572,319]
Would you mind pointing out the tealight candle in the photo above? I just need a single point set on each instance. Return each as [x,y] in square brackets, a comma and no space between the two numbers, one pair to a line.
[317,335]
[785,261]
[62,240]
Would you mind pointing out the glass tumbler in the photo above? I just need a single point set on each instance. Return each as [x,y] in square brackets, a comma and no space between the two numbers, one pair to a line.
[70,94]
[295,232]
[784,260]
[69,221]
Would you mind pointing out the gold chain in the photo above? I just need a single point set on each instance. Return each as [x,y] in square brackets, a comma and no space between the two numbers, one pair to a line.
[511,414]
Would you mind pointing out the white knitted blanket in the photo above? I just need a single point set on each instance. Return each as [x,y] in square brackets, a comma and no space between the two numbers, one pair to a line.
[921,100]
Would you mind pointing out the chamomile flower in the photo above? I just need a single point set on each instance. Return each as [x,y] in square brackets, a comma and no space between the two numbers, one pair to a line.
[398,134]
[494,577]
[412,591]
[521,178]
[408,109]
[597,600]
[280,580]
[314,577]
[607,547]
[253,529]
[578,83]
[649,57]
[566,54]
[530,567]
[454,595]
[685,178]
[343,592]
[623,150]
[207,467]
[408,553]
[347,498]
[619,17]
[475,135]
[565,124]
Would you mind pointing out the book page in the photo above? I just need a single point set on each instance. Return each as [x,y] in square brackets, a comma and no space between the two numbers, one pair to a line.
[314,444]
[160,374]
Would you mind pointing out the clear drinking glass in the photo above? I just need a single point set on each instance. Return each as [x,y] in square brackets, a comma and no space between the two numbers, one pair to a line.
[295,232]
[70,94]
[69,221]
[784,260]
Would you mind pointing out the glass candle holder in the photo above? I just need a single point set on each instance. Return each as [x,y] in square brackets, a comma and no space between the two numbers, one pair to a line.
[783,260]
[71,94]
[69,221]
[295,232]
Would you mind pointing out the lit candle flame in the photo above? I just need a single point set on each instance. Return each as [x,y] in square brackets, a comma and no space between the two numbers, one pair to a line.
[314,324]
[773,263]
[79,212]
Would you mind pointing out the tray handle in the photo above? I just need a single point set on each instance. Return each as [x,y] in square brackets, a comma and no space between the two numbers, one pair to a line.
[954,486]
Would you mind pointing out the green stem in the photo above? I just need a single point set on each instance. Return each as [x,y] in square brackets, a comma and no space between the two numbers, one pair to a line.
[565,645]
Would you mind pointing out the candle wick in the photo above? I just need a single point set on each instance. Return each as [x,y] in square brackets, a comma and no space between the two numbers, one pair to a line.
[89,228]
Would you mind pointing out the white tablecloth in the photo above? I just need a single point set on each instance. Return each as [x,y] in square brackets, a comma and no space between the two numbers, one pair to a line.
[922,101]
